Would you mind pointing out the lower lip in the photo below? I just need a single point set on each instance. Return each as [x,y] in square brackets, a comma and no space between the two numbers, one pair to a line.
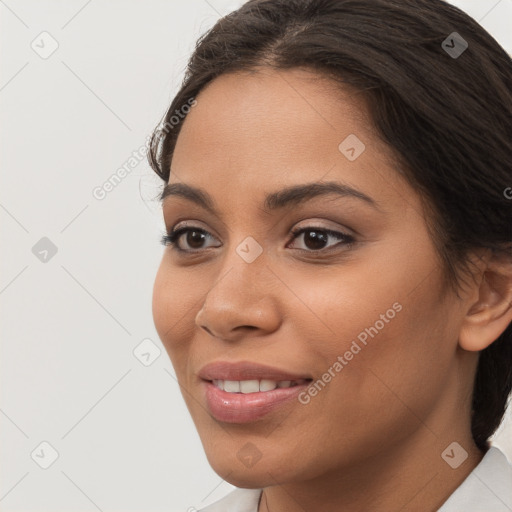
[247,407]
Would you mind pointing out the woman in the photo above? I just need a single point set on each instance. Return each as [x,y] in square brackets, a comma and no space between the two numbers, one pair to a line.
[336,291]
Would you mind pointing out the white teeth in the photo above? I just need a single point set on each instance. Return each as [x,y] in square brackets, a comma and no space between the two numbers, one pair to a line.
[232,386]
[249,386]
[267,385]
[253,386]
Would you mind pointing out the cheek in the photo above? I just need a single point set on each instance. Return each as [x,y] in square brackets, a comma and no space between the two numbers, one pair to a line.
[173,305]
[162,303]
[331,307]
[394,336]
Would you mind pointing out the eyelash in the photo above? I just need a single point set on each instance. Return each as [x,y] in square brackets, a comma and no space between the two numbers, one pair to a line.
[171,239]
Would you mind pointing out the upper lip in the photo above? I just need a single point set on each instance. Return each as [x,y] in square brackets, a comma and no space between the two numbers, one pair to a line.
[245,370]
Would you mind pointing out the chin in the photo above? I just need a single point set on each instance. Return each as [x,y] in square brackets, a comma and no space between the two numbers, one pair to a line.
[255,474]
[249,478]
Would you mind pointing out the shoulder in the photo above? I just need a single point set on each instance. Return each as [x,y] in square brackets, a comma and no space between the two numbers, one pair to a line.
[238,500]
[488,487]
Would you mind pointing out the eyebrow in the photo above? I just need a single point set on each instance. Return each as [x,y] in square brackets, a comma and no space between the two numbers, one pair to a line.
[289,196]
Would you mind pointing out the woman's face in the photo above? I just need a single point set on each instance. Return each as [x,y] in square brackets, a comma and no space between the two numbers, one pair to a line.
[366,316]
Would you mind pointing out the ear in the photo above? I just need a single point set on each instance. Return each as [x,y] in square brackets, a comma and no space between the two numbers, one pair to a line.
[491,313]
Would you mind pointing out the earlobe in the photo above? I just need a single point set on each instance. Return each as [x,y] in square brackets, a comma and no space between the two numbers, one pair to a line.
[491,313]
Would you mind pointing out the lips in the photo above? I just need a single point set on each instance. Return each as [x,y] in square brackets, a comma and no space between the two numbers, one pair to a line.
[245,370]
[243,402]
[247,408]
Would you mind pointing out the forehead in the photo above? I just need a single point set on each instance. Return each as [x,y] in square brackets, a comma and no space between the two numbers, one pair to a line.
[278,127]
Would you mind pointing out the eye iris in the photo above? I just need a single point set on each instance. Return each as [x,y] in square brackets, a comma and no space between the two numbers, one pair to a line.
[195,237]
[317,238]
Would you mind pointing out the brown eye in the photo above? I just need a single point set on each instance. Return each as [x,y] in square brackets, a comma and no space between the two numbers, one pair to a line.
[194,239]
[317,239]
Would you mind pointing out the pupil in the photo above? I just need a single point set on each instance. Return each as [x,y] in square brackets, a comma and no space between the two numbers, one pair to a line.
[191,239]
[317,239]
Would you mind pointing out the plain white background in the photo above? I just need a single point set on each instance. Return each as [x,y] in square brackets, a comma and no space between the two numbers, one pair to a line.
[122,436]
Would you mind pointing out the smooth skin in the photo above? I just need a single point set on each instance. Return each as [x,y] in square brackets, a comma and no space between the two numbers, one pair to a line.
[372,439]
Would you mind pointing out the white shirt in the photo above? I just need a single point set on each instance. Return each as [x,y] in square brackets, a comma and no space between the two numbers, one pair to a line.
[488,488]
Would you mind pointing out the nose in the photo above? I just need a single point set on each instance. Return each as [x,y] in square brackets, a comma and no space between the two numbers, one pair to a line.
[242,302]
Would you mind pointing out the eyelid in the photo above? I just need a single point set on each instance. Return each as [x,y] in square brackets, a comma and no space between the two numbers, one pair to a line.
[315,223]
[193,224]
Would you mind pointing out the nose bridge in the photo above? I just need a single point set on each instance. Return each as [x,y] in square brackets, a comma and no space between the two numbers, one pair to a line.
[240,295]
[246,260]
[241,275]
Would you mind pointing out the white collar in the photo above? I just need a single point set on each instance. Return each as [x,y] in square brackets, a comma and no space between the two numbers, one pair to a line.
[487,488]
